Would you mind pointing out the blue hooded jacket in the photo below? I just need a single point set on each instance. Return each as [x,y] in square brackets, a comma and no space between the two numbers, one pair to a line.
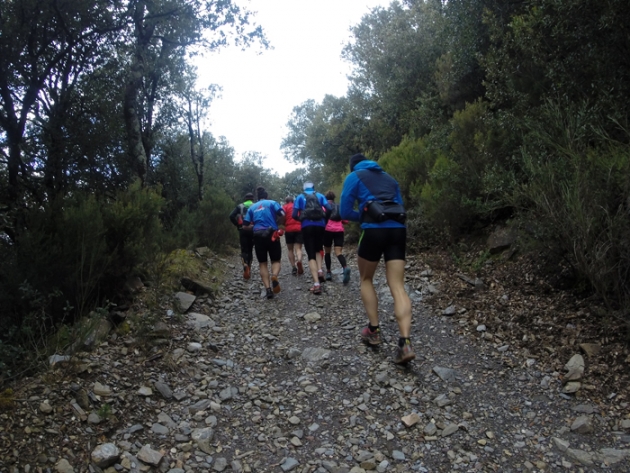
[355,191]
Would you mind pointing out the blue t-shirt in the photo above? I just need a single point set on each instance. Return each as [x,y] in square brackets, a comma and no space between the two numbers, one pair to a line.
[300,203]
[263,215]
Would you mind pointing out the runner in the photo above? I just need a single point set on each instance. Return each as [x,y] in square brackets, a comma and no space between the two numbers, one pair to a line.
[310,208]
[264,218]
[334,233]
[293,238]
[245,237]
[366,183]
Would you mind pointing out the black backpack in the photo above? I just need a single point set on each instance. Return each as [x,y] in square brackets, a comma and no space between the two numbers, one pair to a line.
[383,187]
[312,208]
[335,216]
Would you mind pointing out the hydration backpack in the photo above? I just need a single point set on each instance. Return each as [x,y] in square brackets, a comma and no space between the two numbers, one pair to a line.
[312,208]
[335,216]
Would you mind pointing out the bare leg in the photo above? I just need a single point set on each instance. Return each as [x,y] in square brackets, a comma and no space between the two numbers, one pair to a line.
[318,259]
[395,271]
[291,255]
[298,251]
[368,294]
[264,274]
[275,268]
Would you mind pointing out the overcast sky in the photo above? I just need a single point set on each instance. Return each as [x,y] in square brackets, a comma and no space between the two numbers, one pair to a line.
[259,92]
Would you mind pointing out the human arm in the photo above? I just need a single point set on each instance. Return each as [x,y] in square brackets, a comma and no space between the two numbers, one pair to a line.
[280,217]
[234,215]
[248,220]
[296,208]
[349,194]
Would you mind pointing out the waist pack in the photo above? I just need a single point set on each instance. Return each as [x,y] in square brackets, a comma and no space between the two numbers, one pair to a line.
[266,233]
[376,211]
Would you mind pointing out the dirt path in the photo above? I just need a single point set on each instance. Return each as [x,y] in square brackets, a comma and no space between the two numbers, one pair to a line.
[286,385]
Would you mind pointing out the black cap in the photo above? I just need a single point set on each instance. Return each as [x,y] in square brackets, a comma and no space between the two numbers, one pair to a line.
[249,196]
[354,160]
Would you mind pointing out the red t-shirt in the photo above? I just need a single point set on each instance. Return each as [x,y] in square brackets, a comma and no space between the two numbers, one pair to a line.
[290,224]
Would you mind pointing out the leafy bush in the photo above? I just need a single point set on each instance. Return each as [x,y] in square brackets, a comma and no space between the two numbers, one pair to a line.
[579,187]
[206,225]
[70,258]
[409,163]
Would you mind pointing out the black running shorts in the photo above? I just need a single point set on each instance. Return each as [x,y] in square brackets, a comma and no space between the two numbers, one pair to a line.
[333,237]
[313,240]
[293,237]
[264,245]
[388,242]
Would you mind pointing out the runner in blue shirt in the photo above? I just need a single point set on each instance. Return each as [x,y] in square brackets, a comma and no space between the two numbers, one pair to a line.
[310,208]
[266,219]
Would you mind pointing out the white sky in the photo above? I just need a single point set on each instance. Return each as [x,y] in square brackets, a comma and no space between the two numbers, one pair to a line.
[259,92]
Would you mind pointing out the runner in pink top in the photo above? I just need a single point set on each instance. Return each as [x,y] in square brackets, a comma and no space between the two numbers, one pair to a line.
[333,234]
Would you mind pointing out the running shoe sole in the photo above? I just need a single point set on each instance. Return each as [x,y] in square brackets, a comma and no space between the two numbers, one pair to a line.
[275,284]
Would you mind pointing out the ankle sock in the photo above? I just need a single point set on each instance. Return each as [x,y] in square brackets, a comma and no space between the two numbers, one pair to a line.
[373,328]
[402,341]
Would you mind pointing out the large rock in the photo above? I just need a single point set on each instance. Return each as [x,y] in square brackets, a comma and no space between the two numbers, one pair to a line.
[501,239]
[105,455]
[575,369]
[184,300]
[203,439]
[198,287]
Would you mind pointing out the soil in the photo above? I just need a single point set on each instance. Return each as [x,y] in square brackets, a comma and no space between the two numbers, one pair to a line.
[286,384]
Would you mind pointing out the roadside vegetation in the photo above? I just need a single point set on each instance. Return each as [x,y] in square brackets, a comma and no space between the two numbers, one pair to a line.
[485,111]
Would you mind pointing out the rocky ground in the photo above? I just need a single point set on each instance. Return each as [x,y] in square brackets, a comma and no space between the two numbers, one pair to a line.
[244,384]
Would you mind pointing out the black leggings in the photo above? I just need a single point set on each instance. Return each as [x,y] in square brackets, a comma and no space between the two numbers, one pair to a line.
[313,240]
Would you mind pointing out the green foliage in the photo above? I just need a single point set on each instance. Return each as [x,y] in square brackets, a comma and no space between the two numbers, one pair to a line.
[75,256]
[409,163]
[206,225]
[440,198]
[104,411]
[579,188]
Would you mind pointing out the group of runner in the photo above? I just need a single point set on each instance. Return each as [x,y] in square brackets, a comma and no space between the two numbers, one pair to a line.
[316,222]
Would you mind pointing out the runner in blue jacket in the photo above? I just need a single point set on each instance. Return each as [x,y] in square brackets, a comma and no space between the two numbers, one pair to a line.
[387,239]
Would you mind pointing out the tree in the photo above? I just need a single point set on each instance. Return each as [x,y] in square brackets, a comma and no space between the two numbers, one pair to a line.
[41,41]
[162,32]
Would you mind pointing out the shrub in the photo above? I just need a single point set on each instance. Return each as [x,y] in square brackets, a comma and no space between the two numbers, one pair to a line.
[579,188]
[70,258]
[206,225]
